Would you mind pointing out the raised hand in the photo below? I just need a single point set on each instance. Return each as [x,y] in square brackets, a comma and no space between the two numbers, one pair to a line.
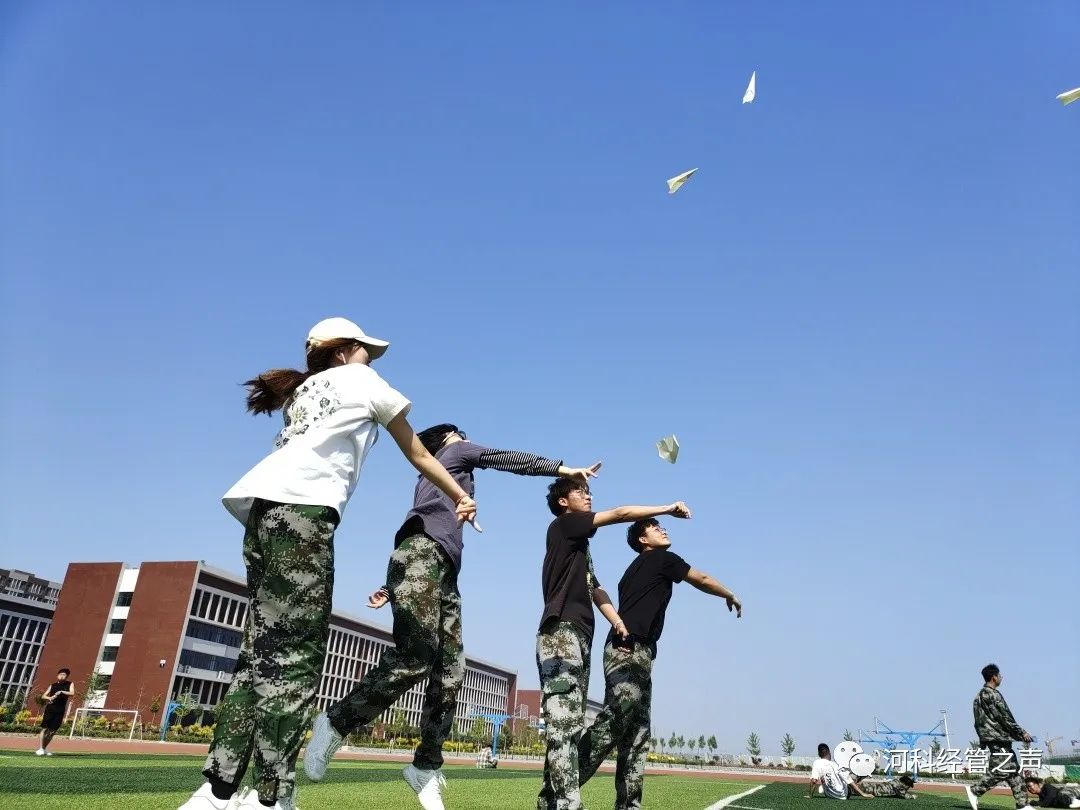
[679,510]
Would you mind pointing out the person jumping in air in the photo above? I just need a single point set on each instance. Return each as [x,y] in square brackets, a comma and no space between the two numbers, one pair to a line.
[290,504]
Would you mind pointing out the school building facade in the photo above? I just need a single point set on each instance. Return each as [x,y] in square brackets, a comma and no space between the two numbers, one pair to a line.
[169,628]
[26,612]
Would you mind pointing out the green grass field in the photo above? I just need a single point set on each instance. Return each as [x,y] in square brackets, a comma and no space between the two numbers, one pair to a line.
[123,781]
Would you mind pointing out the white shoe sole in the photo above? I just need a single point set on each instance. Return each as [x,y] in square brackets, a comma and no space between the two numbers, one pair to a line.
[320,748]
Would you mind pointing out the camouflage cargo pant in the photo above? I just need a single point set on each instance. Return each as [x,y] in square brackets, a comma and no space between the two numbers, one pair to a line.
[884,788]
[427,638]
[1002,769]
[289,552]
[562,657]
[623,724]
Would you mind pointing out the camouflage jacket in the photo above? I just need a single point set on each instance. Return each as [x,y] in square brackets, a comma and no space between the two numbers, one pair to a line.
[994,723]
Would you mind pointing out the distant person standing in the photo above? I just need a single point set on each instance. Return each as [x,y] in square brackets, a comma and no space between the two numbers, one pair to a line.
[56,698]
[996,728]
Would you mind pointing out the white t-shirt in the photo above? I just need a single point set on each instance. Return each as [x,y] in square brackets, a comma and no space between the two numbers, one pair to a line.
[832,778]
[331,422]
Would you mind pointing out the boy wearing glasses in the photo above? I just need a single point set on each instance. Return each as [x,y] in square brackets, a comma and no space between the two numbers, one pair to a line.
[564,642]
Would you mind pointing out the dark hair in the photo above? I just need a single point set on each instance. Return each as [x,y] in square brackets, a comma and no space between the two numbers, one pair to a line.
[65,670]
[561,488]
[989,671]
[1030,777]
[271,390]
[433,437]
[822,750]
[637,531]
[907,781]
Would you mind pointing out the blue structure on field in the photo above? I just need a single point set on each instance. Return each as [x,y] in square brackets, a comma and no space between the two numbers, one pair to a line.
[172,707]
[497,721]
[899,740]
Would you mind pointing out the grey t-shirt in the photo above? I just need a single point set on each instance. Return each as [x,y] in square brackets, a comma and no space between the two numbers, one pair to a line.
[433,513]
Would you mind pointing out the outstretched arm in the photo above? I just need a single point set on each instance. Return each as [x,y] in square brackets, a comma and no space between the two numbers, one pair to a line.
[703,582]
[521,463]
[628,514]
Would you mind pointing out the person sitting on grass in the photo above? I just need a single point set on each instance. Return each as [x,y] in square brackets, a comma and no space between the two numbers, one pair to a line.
[1051,794]
[832,780]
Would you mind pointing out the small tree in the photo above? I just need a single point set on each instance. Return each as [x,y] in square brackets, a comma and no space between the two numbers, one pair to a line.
[935,748]
[692,743]
[478,730]
[155,707]
[848,736]
[787,745]
[711,742]
[671,742]
[753,746]
[681,743]
[188,703]
[95,682]
[652,744]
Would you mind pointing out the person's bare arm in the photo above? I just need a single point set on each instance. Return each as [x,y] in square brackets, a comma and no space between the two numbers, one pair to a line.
[704,582]
[855,786]
[603,602]
[429,467]
[628,514]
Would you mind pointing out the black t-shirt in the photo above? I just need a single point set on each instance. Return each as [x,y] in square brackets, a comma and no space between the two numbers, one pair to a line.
[645,590]
[567,575]
[58,704]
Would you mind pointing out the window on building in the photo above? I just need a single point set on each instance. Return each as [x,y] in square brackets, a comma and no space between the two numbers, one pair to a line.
[123,599]
[117,625]
[109,653]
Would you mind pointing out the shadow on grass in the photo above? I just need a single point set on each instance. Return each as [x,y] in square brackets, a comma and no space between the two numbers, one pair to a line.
[173,777]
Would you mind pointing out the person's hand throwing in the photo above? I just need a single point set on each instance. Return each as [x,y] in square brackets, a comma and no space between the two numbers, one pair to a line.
[733,603]
[581,475]
[679,510]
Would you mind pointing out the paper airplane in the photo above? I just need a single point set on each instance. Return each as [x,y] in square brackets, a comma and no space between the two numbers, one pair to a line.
[1070,96]
[676,182]
[751,89]
[668,449]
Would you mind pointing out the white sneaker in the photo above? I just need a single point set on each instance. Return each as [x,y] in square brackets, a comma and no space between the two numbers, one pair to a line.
[973,800]
[428,786]
[324,742]
[48,753]
[204,799]
[40,752]
[251,802]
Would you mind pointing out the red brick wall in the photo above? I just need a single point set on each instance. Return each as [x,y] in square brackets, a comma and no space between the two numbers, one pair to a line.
[159,609]
[78,626]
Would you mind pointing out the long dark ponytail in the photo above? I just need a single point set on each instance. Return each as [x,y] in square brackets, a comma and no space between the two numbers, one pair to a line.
[271,390]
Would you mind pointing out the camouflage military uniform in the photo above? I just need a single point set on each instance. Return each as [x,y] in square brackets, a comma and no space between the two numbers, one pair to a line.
[427,638]
[996,728]
[885,788]
[623,725]
[562,657]
[289,552]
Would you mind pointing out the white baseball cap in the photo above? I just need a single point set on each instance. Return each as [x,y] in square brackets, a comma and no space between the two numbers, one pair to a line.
[332,328]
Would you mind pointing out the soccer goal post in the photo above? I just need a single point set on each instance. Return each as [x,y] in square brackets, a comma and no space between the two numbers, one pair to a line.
[87,714]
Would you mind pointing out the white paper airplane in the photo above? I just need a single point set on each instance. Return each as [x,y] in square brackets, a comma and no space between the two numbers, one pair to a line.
[668,449]
[751,89]
[1070,96]
[676,182]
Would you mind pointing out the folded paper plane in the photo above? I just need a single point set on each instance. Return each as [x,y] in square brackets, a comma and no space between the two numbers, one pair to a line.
[751,89]
[676,182]
[1070,96]
[668,449]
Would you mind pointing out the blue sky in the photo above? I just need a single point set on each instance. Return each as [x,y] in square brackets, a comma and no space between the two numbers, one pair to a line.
[860,317]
